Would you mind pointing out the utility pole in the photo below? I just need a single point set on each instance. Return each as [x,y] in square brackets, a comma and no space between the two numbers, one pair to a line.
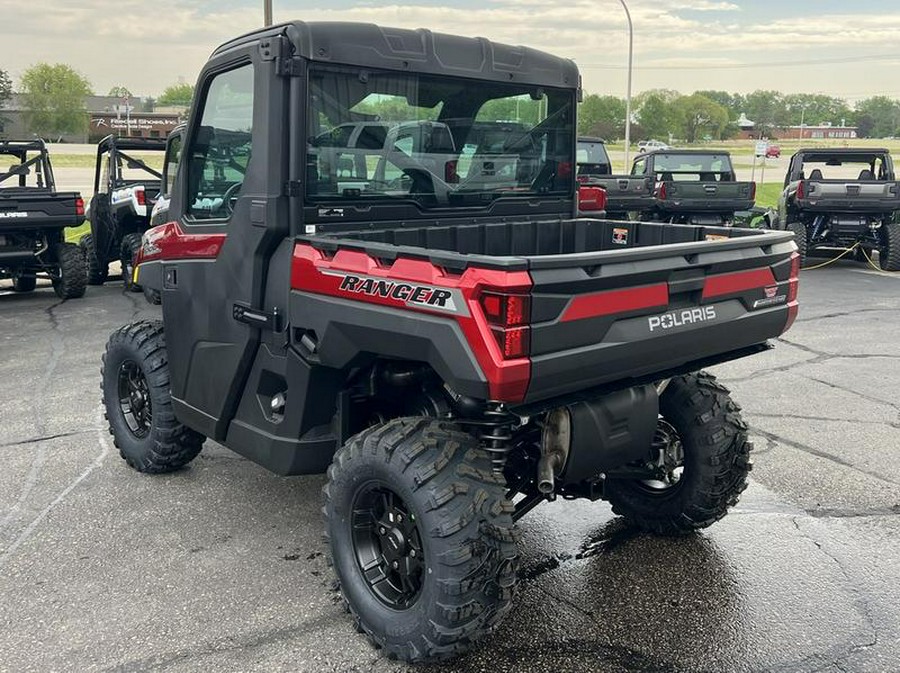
[628,89]
[267,12]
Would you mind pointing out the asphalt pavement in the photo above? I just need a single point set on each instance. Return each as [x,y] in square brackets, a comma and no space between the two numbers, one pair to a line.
[220,567]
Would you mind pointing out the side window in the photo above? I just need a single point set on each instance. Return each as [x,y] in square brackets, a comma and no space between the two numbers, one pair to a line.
[173,155]
[639,167]
[220,149]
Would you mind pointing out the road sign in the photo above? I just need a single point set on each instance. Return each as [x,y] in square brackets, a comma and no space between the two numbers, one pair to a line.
[761,147]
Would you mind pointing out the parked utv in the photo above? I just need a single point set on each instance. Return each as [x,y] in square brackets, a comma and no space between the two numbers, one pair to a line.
[453,352]
[125,189]
[694,186]
[33,219]
[627,196]
[843,197]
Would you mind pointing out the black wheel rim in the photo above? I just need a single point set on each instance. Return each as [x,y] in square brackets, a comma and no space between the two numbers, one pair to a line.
[668,465]
[387,546]
[134,399]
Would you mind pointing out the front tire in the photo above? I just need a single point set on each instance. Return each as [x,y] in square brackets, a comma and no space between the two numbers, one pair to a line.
[131,245]
[889,253]
[135,377]
[97,271]
[72,274]
[801,239]
[421,537]
[699,415]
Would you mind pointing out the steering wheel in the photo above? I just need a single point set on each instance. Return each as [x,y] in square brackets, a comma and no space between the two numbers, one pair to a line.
[229,198]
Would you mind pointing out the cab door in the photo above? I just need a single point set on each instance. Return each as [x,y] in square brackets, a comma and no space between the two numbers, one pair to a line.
[231,217]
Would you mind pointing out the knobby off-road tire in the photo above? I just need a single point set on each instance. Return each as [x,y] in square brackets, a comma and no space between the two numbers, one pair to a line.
[72,279]
[135,377]
[801,239]
[463,531]
[889,254]
[716,461]
[24,283]
[97,271]
[131,244]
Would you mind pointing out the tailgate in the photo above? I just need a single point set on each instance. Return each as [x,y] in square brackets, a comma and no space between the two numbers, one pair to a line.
[624,193]
[632,313]
[26,209]
[867,196]
[706,196]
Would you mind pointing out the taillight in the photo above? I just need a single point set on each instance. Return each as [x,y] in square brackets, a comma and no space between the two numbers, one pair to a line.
[801,191]
[79,206]
[753,191]
[591,198]
[450,172]
[141,197]
[508,316]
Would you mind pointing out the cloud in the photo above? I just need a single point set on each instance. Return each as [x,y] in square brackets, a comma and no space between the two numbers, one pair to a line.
[146,47]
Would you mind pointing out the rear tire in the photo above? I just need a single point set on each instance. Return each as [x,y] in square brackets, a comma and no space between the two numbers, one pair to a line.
[131,245]
[801,239]
[72,279]
[135,375]
[97,271]
[889,253]
[715,459]
[24,283]
[456,561]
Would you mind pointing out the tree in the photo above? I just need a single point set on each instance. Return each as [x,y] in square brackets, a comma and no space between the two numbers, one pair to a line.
[654,112]
[883,115]
[5,88]
[120,92]
[733,102]
[53,97]
[697,116]
[5,94]
[602,116]
[768,110]
[176,94]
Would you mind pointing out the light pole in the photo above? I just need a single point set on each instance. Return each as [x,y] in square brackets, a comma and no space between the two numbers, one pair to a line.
[628,89]
[267,12]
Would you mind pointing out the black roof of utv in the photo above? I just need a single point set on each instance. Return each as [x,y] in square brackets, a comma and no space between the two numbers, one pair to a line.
[420,50]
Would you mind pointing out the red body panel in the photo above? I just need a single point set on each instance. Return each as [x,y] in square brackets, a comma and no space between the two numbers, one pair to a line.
[169,241]
[616,301]
[312,271]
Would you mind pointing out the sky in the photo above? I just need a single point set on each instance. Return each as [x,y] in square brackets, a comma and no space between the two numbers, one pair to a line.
[845,48]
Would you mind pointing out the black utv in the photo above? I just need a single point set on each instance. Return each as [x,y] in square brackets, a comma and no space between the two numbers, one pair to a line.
[125,190]
[33,218]
[842,198]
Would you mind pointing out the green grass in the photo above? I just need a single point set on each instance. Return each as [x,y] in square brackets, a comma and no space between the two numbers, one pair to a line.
[767,194]
[59,160]
[74,235]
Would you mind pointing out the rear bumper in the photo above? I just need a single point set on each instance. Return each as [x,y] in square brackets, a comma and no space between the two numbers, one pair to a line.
[629,351]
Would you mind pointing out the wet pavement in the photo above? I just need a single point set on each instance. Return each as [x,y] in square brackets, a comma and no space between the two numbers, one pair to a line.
[220,567]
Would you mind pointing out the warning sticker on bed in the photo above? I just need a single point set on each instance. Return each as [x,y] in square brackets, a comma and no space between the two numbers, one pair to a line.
[620,236]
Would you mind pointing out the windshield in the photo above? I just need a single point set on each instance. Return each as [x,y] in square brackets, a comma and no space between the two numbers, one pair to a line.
[437,141]
[592,158]
[691,163]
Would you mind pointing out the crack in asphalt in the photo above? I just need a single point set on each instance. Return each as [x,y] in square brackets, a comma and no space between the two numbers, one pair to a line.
[44,438]
[224,644]
[826,419]
[58,347]
[844,314]
[868,398]
[860,601]
[819,358]
[778,439]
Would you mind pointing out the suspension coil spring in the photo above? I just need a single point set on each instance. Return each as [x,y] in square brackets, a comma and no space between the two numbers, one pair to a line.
[495,430]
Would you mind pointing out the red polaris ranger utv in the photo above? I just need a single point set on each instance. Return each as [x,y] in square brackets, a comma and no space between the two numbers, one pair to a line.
[412,306]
